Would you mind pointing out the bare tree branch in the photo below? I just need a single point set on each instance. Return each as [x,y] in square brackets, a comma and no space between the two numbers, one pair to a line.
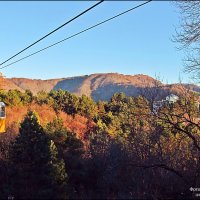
[188,34]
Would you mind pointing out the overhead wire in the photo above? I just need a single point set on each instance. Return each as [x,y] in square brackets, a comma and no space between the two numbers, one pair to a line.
[56,29]
[89,28]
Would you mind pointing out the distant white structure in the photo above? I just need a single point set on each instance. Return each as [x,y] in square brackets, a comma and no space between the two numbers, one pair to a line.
[170,99]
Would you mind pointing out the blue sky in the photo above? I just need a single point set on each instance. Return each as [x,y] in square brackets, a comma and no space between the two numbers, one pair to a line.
[137,43]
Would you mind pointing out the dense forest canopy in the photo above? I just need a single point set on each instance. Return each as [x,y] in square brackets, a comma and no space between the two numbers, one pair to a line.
[79,148]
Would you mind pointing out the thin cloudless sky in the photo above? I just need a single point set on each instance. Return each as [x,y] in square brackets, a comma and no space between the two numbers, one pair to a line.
[139,42]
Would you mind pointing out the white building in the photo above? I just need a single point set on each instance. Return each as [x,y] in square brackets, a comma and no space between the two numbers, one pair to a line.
[172,98]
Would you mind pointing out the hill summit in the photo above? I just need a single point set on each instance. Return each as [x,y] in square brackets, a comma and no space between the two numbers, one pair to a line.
[98,86]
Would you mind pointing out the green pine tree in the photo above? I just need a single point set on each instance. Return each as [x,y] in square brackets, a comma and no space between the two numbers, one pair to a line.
[35,170]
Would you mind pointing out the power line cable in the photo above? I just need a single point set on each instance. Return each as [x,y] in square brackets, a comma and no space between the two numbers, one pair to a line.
[91,27]
[52,32]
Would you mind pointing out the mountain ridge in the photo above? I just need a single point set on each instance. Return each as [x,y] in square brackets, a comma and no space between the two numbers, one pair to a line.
[99,86]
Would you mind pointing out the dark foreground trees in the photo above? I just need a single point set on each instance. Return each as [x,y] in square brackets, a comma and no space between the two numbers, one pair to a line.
[35,172]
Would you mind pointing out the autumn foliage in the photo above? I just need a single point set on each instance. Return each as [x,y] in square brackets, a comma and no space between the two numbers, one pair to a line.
[117,149]
[15,115]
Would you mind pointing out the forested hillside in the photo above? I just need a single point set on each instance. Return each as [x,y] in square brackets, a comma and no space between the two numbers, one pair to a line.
[59,145]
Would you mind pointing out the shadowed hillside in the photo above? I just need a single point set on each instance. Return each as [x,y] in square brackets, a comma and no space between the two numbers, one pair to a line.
[70,84]
[98,86]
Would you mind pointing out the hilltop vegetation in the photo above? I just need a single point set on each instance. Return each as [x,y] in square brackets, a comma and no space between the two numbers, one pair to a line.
[59,145]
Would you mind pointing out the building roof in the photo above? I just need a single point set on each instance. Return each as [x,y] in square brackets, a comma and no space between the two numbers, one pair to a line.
[172,97]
